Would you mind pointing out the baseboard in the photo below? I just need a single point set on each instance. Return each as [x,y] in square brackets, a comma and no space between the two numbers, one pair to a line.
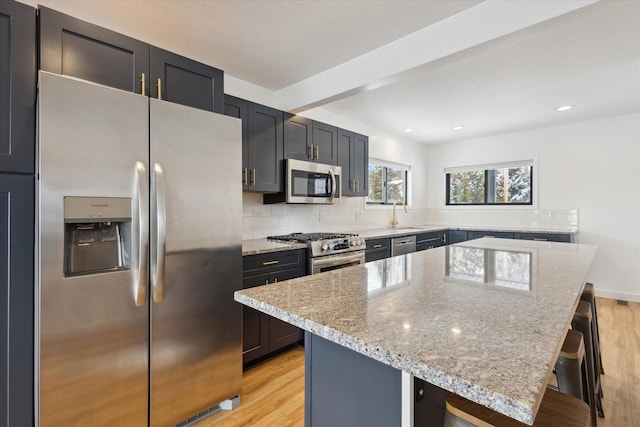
[624,296]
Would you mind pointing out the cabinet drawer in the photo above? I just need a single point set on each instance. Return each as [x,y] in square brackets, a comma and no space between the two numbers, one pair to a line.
[457,236]
[430,240]
[378,249]
[551,237]
[273,261]
[498,234]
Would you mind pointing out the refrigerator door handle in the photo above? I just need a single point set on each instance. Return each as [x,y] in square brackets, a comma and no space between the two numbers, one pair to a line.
[141,258]
[159,233]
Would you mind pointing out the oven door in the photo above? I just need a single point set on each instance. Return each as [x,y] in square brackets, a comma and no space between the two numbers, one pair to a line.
[334,262]
[309,182]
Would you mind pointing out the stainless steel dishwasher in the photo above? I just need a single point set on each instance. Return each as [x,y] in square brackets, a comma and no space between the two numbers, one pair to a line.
[403,245]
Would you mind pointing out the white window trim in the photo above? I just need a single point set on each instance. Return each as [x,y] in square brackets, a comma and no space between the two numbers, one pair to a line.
[391,164]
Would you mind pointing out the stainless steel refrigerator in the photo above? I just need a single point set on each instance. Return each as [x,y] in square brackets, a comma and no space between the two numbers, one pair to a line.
[139,252]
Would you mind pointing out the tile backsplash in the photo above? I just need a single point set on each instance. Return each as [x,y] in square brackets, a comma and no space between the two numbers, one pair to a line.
[352,215]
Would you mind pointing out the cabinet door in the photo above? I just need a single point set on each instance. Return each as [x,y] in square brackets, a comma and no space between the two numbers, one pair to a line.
[378,249]
[497,234]
[18,78]
[185,81]
[325,142]
[77,48]
[238,108]
[282,333]
[16,299]
[360,164]
[298,137]
[430,240]
[457,236]
[265,148]
[255,325]
[544,237]
[345,160]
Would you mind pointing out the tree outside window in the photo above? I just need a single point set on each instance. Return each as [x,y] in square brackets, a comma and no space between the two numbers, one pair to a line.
[387,184]
[503,185]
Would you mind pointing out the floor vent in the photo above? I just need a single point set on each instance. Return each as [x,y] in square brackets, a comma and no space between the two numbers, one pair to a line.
[622,302]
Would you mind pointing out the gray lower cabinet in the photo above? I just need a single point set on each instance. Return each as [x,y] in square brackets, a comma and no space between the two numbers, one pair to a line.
[485,233]
[431,240]
[457,236]
[544,237]
[16,299]
[263,334]
[377,249]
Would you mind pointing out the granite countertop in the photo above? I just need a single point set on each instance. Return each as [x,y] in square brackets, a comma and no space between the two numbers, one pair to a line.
[263,246]
[405,231]
[490,336]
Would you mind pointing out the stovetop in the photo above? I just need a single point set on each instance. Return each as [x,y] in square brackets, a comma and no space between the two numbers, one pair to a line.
[311,237]
[323,244]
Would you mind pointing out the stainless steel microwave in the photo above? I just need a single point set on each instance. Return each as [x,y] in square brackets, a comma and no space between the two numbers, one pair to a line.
[308,182]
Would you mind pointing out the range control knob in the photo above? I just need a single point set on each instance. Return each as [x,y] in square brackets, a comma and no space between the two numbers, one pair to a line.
[353,242]
[324,247]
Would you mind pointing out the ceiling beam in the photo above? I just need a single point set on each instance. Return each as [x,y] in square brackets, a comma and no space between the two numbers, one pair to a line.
[481,23]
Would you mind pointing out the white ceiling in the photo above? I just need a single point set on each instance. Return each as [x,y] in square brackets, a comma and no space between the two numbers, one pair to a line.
[494,66]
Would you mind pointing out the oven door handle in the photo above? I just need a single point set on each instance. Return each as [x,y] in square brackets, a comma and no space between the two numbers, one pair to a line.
[337,260]
[333,186]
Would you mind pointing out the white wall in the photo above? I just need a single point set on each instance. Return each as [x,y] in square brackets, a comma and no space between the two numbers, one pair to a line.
[592,166]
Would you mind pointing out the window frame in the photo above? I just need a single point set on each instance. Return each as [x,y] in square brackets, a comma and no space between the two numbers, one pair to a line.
[489,170]
[386,165]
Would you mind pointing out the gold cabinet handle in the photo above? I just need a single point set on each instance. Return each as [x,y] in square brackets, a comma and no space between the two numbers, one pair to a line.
[159,84]
[244,176]
[143,82]
[271,262]
[539,239]
[253,177]
[377,246]
[275,280]
[444,238]
[310,151]
[317,151]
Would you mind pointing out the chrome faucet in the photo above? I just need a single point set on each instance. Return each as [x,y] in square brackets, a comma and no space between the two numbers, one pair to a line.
[394,219]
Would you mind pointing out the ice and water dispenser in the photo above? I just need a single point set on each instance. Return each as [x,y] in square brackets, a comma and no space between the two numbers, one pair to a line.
[97,235]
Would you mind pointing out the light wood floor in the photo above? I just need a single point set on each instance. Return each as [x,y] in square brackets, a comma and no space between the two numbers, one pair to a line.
[273,392]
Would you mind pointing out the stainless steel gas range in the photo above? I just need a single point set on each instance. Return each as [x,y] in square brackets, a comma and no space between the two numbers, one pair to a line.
[329,251]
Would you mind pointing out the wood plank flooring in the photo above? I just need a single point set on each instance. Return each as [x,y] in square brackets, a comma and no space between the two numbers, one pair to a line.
[273,391]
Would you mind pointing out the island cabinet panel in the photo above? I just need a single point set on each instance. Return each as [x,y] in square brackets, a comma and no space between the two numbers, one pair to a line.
[298,137]
[175,78]
[457,236]
[16,298]
[345,388]
[353,158]
[378,249]
[544,237]
[77,48]
[17,87]
[325,143]
[430,240]
[486,233]
[262,334]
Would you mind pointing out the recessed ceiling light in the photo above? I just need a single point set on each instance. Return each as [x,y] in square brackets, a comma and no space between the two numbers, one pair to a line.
[408,130]
[457,128]
[564,108]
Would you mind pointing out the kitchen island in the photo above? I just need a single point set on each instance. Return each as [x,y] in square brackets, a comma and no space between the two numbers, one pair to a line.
[484,319]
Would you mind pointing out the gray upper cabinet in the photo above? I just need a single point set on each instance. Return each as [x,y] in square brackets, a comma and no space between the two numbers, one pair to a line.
[175,78]
[17,87]
[325,143]
[353,157]
[77,48]
[262,145]
[298,137]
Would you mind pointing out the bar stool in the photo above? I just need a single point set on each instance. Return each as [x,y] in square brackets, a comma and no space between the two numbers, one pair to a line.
[556,409]
[582,322]
[589,296]
[571,368]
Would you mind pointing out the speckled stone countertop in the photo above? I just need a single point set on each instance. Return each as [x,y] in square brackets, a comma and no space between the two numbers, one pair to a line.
[263,246]
[491,334]
[403,231]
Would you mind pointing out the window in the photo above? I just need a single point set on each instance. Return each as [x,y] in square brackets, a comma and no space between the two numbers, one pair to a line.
[387,182]
[504,184]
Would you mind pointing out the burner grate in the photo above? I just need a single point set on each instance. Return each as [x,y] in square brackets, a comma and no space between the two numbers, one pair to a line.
[311,237]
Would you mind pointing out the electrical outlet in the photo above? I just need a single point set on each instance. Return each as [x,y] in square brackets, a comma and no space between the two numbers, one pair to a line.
[551,215]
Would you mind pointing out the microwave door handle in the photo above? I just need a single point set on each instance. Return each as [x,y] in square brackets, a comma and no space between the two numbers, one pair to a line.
[333,185]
